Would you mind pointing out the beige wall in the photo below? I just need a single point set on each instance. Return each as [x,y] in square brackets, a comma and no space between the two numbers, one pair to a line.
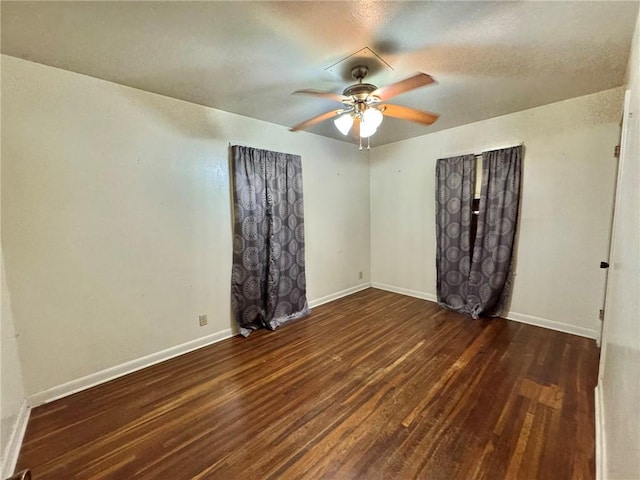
[568,183]
[619,382]
[116,222]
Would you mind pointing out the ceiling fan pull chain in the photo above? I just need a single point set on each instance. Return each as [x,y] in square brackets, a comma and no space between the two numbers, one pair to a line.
[368,143]
[360,143]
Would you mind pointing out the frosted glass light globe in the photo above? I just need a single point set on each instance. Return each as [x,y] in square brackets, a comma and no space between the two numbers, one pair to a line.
[367,129]
[372,116]
[344,123]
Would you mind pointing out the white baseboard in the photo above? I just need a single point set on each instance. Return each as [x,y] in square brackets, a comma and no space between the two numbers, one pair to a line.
[600,443]
[518,317]
[552,325]
[112,373]
[334,296]
[103,376]
[12,450]
[405,291]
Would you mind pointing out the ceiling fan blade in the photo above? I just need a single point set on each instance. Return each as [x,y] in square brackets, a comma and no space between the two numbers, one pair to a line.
[411,114]
[390,91]
[315,120]
[320,93]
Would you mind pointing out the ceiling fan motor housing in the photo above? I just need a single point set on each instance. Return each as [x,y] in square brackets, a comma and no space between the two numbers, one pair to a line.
[359,90]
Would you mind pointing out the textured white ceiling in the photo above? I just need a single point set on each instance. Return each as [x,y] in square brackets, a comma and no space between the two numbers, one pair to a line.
[489,58]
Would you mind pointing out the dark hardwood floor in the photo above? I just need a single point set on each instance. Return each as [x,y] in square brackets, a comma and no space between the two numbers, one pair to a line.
[373,386]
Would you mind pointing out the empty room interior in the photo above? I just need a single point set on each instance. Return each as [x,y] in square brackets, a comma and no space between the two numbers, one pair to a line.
[320,240]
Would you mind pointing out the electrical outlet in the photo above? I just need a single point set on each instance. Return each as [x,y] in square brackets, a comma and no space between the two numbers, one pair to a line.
[360,276]
[203,320]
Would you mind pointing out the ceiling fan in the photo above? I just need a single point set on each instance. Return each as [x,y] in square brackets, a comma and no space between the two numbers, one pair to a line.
[362,111]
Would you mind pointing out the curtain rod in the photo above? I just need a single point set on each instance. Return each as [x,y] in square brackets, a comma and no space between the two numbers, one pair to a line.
[521,144]
[264,149]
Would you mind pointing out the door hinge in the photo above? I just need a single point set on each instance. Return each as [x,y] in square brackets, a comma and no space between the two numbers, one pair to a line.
[601,314]
[616,151]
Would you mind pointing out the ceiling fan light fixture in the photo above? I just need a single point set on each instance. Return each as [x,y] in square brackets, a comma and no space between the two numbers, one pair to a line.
[344,123]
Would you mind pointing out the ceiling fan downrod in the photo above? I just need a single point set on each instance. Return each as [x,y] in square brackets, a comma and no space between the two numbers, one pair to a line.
[359,72]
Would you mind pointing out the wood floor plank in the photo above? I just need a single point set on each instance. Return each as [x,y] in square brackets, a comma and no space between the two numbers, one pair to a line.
[372,386]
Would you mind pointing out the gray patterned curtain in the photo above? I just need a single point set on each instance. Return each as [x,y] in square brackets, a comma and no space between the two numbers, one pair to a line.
[455,178]
[476,279]
[268,284]
[491,267]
